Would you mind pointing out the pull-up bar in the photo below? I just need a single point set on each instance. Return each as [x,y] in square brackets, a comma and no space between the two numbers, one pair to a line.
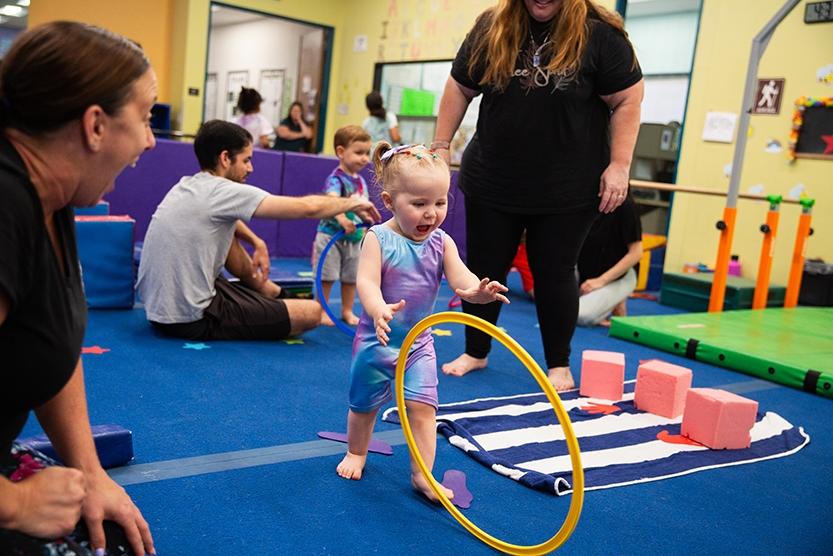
[702,191]
[727,225]
[769,230]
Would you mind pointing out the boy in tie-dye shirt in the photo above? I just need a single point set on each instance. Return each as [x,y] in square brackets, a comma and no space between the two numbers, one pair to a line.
[352,146]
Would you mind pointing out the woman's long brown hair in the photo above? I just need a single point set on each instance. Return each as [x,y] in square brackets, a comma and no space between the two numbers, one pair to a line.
[507,28]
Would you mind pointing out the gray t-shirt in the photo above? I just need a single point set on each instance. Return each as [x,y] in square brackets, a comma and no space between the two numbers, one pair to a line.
[187,244]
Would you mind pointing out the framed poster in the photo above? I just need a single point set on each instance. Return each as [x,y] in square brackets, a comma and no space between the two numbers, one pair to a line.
[234,81]
[271,89]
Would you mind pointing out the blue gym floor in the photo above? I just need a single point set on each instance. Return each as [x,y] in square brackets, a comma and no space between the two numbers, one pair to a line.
[228,462]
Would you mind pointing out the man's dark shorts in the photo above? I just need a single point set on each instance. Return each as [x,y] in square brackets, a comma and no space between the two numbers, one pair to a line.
[235,313]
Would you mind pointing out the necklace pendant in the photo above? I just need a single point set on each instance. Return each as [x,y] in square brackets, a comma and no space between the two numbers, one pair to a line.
[536,60]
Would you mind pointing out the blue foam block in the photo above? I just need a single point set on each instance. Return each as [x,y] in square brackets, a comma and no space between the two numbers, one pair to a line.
[113,443]
[101,209]
[105,248]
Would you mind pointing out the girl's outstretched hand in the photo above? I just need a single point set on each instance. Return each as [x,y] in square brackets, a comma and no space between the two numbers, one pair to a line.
[384,318]
[484,292]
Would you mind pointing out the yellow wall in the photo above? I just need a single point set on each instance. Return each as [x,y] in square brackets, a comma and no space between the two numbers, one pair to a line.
[175,35]
[147,22]
[796,52]
[397,31]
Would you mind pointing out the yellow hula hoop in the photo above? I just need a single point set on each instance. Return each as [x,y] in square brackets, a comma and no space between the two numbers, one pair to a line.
[577,500]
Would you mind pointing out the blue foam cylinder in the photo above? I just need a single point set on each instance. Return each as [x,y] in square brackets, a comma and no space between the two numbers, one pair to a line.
[105,248]
[113,443]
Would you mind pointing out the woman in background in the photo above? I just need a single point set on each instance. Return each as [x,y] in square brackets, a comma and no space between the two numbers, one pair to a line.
[250,119]
[293,132]
[381,124]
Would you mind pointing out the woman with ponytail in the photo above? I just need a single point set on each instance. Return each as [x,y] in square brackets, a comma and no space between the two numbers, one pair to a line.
[75,105]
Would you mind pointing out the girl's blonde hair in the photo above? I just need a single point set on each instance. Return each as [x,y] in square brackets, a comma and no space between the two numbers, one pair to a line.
[507,29]
[403,159]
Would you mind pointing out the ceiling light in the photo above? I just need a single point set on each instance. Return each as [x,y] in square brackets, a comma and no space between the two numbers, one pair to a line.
[13,11]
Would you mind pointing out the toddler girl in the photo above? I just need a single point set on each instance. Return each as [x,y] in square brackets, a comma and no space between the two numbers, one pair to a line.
[400,270]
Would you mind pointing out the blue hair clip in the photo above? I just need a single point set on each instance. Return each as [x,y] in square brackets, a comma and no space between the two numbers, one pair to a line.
[396,150]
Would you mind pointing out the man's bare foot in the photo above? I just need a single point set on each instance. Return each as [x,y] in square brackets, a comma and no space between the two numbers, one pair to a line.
[351,466]
[621,309]
[464,364]
[420,484]
[326,320]
[270,289]
[561,378]
[350,318]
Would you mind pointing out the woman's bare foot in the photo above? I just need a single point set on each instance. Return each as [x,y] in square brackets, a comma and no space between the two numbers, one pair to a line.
[464,364]
[621,309]
[604,323]
[561,378]
[420,484]
[350,318]
[326,320]
[351,466]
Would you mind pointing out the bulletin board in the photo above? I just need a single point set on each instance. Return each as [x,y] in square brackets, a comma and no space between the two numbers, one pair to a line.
[412,91]
[812,129]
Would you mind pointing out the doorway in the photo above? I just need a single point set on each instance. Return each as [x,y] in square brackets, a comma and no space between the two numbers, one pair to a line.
[284,59]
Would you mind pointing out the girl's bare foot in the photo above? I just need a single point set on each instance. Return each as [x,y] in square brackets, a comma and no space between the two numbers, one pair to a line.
[350,318]
[464,364]
[326,320]
[420,484]
[561,378]
[351,466]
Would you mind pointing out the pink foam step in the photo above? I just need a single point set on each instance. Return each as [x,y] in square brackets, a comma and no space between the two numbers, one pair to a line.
[602,374]
[718,419]
[661,388]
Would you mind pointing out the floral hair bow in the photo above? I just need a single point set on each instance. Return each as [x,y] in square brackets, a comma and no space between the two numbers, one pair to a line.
[401,149]
[407,149]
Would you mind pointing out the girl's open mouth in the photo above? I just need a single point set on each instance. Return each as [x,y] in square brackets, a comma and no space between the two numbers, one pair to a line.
[423,229]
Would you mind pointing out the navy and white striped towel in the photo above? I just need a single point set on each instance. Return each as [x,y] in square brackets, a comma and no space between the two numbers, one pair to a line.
[519,437]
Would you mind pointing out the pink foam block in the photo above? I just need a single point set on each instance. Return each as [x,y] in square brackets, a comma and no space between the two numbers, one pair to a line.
[661,388]
[718,419]
[602,374]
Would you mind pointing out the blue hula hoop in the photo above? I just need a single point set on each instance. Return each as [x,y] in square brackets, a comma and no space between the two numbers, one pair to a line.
[319,289]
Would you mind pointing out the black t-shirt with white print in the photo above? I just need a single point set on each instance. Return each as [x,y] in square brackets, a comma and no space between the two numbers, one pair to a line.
[542,143]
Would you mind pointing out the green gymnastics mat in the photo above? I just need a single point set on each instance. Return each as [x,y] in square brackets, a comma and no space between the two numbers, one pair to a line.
[793,347]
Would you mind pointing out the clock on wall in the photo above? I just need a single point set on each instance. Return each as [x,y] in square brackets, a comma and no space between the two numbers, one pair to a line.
[818,12]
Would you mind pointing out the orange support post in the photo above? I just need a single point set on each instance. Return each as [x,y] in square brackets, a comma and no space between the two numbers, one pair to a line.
[797,266]
[770,230]
[721,267]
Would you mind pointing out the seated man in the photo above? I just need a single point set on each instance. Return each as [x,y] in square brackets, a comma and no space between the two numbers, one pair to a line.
[196,231]
[606,265]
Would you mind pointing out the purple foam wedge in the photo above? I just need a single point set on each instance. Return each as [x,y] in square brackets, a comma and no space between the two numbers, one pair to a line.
[456,481]
[377,446]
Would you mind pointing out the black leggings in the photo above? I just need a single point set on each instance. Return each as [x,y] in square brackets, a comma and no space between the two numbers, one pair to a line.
[553,242]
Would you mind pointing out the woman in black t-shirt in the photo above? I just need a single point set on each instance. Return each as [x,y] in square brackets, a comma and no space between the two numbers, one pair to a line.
[75,104]
[293,132]
[555,134]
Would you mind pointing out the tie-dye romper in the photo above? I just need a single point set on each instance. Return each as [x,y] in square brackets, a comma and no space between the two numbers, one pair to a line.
[411,271]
